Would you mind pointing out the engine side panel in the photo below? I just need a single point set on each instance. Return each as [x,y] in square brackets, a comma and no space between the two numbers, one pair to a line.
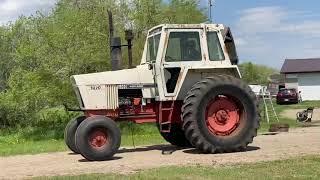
[99,91]
[99,96]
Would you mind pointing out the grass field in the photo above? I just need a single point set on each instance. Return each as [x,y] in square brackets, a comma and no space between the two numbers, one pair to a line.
[33,141]
[280,108]
[301,168]
[39,140]
[26,146]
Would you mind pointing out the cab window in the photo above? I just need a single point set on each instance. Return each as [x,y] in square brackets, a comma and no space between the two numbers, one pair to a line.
[153,46]
[183,46]
[214,47]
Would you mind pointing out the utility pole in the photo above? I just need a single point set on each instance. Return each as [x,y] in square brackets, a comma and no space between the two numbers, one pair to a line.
[210,10]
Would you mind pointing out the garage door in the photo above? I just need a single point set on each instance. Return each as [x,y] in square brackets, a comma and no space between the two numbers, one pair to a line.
[309,85]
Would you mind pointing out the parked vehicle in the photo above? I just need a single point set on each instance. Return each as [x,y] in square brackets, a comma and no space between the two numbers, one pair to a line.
[287,96]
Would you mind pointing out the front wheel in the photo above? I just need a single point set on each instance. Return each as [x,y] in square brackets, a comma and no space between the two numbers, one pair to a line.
[70,131]
[98,138]
[220,114]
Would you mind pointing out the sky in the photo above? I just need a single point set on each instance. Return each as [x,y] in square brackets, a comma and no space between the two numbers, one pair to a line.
[10,10]
[266,31]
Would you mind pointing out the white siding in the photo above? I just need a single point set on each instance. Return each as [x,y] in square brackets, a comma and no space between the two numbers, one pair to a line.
[291,81]
[309,85]
[292,85]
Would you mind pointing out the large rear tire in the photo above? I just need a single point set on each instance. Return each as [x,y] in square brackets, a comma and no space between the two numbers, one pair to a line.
[70,131]
[220,114]
[176,136]
[98,138]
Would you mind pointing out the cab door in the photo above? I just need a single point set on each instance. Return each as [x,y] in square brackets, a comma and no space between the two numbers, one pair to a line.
[183,49]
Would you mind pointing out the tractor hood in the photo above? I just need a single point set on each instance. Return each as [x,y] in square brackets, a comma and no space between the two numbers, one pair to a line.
[139,75]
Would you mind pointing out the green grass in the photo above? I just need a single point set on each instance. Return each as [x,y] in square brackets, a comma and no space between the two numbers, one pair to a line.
[17,147]
[31,147]
[300,168]
[280,108]
[39,140]
[34,140]
[302,105]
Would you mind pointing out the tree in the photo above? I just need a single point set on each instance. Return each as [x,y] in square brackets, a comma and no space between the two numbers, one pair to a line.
[6,56]
[256,74]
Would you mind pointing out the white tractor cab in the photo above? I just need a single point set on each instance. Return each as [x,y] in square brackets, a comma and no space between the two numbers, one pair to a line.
[188,83]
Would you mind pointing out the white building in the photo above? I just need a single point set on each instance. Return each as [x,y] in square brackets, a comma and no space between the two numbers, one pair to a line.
[303,75]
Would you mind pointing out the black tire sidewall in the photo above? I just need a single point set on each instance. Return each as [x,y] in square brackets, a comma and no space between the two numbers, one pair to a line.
[70,131]
[176,136]
[246,123]
[89,125]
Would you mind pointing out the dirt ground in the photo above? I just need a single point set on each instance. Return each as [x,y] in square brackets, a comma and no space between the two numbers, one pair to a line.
[298,142]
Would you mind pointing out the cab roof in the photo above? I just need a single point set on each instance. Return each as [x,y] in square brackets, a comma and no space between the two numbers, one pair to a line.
[185,26]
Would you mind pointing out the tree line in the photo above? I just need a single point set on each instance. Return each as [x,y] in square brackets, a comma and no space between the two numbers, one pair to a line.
[38,54]
[256,74]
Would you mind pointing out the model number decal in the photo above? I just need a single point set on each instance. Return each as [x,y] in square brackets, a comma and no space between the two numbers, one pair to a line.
[95,88]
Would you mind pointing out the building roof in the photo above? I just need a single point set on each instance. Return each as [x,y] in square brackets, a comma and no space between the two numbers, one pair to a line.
[300,66]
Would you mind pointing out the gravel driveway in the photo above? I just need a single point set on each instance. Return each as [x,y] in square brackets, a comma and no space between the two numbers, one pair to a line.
[298,142]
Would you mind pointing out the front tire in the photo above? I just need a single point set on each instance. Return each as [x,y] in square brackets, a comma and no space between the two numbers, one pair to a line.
[70,131]
[220,114]
[98,138]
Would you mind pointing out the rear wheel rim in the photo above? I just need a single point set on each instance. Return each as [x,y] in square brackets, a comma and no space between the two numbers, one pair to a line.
[223,115]
[98,139]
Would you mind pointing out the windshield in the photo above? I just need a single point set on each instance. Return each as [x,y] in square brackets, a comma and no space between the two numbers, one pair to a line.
[183,46]
[153,45]
[214,46]
[287,91]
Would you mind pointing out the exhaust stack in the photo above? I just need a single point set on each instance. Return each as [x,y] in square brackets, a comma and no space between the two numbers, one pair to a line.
[129,38]
[115,46]
[116,54]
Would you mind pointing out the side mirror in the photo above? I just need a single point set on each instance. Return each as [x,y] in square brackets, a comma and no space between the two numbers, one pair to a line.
[150,66]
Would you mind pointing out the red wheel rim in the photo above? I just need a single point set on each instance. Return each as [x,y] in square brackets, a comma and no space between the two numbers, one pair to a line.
[222,116]
[98,139]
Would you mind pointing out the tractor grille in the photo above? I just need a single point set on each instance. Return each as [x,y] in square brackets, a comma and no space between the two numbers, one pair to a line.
[112,97]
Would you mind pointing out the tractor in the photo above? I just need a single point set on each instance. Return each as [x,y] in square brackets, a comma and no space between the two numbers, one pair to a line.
[188,84]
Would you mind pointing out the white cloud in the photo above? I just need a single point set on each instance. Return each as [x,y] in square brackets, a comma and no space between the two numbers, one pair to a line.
[261,19]
[10,10]
[275,19]
[240,41]
[268,35]
[8,6]
[307,28]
